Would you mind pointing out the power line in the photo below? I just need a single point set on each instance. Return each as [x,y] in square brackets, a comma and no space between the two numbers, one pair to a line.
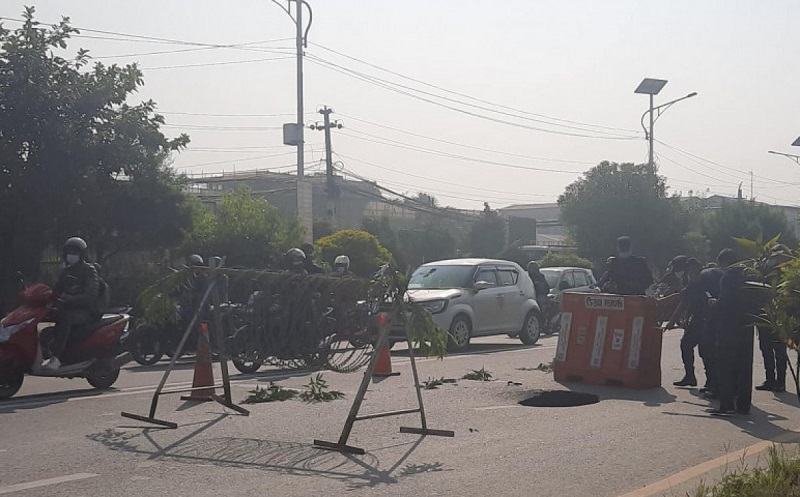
[469,96]
[224,115]
[206,64]
[512,154]
[246,159]
[426,178]
[389,86]
[221,128]
[460,157]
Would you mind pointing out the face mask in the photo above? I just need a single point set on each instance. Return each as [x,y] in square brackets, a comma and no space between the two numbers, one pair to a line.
[340,269]
[73,259]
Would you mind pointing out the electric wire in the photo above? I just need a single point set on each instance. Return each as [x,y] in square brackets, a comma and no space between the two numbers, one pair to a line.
[469,96]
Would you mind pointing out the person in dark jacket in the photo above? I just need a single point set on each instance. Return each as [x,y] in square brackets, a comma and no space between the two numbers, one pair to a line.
[703,284]
[540,286]
[734,340]
[309,265]
[629,274]
[76,293]
[773,349]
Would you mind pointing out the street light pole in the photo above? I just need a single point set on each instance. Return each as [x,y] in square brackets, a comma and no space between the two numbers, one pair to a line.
[650,134]
[652,87]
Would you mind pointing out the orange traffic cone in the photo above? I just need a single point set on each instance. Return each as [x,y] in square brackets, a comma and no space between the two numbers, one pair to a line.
[383,367]
[203,375]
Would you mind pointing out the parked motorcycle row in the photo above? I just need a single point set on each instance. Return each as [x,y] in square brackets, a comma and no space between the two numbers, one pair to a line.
[267,329]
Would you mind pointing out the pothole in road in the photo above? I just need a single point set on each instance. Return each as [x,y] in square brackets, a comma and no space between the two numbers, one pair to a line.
[560,398]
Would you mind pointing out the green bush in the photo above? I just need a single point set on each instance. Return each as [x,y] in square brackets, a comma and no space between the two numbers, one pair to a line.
[364,250]
[780,477]
[558,259]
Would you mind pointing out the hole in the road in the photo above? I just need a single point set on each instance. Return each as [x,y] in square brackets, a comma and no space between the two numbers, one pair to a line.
[560,398]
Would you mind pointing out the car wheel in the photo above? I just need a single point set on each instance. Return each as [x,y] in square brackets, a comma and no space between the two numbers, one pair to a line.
[460,333]
[531,328]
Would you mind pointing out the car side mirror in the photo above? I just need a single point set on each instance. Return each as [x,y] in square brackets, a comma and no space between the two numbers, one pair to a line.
[482,285]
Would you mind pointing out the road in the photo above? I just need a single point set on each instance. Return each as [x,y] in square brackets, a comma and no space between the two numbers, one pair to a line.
[59,435]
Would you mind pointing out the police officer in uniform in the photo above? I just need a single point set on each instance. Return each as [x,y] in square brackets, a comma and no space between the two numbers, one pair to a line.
[734,340]
[629,274]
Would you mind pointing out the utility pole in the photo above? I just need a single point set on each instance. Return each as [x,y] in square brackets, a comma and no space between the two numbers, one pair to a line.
[293,133]
[751,186]
[300,43]
[330,184]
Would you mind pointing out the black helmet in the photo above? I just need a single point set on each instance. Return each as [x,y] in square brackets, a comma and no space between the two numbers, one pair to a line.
[533,265]
[295,258]
[195,260]
[75,245]
[678,263]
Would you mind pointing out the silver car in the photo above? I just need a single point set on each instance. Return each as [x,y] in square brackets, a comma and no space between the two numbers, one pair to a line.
[478,297]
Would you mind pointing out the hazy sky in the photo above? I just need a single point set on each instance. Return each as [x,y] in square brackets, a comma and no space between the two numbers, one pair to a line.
[562,67]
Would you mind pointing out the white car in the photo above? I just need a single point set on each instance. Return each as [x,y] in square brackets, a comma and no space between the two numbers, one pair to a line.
[478,297]
[572,279]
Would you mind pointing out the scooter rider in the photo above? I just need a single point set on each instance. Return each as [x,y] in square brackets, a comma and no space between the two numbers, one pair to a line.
[76,291]
[341,266]
[295,260]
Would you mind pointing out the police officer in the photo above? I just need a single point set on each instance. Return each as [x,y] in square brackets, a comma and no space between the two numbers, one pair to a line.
[629,274]
[773,349]
[76,291]
[676,278]
[734,340]
[694,301]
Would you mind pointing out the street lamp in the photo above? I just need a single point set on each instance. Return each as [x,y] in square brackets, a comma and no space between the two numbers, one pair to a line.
[651,87]
[795,158]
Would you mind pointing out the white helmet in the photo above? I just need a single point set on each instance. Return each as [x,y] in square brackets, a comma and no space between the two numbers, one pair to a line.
[341,263]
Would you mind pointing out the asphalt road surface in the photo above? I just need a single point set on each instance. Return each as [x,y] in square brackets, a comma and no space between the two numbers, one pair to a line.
[60,437]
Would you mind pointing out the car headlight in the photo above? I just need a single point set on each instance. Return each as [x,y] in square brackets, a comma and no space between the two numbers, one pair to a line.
[435,306]
[7,331]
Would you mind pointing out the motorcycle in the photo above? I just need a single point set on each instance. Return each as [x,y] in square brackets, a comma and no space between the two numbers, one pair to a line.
[148,342]
[94,351]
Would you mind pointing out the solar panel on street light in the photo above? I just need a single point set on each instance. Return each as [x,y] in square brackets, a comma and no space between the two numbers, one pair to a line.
[650,86]
[796,143]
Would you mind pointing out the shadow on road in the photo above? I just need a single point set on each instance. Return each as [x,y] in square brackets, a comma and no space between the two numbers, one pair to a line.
[475,349]
[286,458]
[46,399]
[651,397]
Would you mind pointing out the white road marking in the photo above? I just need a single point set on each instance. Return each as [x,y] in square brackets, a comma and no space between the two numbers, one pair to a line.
[128,391]
[45,483]
[276,375]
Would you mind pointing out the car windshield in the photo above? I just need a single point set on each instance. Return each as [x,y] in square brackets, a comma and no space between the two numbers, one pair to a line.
[551,276]
[427,277]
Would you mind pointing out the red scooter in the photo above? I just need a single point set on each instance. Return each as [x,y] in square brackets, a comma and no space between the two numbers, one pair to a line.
[93,352]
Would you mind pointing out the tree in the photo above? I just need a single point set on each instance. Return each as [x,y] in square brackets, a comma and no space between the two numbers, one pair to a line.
[75,158]
[430,242]
[564,259]
[248,231]
[746,219]
[364,250]
[487,238]
[612,200]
